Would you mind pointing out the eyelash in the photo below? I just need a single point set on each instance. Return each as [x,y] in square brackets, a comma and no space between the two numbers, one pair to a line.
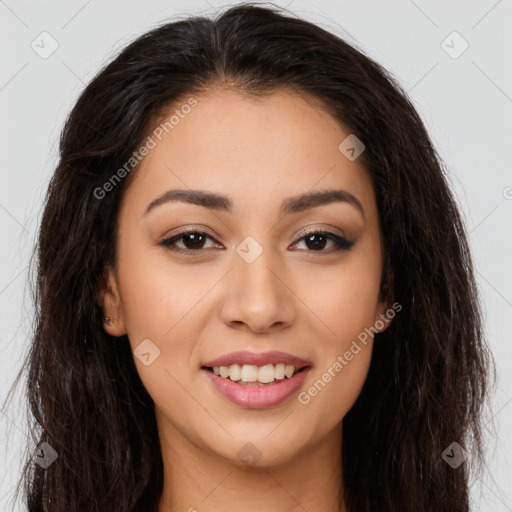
[342,243]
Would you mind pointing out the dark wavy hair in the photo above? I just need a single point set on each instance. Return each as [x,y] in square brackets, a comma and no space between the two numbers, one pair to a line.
[430,370]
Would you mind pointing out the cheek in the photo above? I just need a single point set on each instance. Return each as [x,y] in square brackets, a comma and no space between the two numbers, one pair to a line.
[336,386]
[345,302]
[167,312]
[157,296]
[161,303]
[347,311]
[345,298]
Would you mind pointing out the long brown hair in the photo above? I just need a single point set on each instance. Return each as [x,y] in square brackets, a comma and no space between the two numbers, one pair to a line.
[430,369]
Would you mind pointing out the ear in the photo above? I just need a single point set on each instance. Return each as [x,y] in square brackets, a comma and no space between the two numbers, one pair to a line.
[387,308]
[109,300]
[385,313]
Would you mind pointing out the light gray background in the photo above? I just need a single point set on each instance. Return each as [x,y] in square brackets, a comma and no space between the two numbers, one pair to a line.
[466,103]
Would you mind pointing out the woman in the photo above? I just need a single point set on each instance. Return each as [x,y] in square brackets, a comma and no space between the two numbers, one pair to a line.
[254,286]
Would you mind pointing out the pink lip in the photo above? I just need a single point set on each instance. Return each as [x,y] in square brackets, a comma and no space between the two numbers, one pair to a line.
[257,397]
[244,357]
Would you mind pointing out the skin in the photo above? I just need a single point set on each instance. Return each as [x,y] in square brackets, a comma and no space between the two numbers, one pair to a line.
[306,302]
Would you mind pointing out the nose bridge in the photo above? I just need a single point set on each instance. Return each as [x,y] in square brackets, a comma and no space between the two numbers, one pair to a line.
[256,266]
[257,295]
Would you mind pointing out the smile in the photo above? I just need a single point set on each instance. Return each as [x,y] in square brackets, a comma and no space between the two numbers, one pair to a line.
[252,375]
[257,395]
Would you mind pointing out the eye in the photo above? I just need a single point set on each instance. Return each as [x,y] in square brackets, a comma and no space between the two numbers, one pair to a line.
[193,241]
[318,239]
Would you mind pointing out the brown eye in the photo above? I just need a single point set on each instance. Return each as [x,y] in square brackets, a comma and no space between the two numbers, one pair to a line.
[192,241]
[316,241]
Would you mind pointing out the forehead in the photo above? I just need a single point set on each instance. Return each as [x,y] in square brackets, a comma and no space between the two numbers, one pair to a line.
[277,145]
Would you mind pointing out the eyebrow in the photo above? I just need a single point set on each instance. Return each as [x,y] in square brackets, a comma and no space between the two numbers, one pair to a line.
[293,204]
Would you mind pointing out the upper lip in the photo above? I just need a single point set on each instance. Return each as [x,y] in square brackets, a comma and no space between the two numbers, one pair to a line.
[261,359]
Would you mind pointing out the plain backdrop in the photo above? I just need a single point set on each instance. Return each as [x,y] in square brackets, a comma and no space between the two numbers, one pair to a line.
[464,96]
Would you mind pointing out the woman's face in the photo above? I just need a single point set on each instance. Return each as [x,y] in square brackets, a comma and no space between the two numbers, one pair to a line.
[249,277]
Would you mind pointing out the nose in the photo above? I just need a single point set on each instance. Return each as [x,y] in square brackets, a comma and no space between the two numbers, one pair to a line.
[258,295]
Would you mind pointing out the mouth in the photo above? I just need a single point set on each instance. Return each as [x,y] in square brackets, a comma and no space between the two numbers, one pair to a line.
[256,387]
[253,380]
[256,376]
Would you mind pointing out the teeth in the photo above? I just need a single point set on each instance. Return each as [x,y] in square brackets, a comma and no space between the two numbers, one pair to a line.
[248,373]
[266,373]
[234,371]
[288,370]
[279,371]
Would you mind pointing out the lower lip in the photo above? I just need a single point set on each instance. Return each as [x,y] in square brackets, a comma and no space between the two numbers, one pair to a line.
[257,397]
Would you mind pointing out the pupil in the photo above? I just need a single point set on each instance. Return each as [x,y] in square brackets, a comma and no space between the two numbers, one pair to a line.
[320,245]
[196,240]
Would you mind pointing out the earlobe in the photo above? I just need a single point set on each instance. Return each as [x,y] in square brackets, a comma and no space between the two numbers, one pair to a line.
[384,317]
[109,300]
[387,308]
